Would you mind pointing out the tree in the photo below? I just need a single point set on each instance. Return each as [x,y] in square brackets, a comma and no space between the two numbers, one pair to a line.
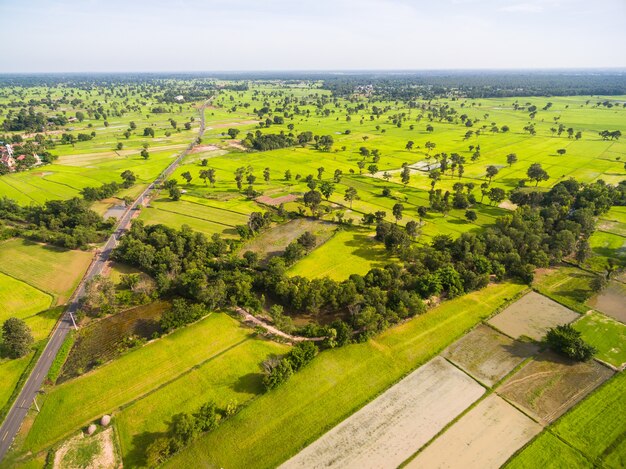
[327,189]
[496,195]
[373,169]
[422,212]
[187,176]
[471,216]
[211,176]
[351,195]
[491,172]
[567,341]
[320,172]
[598,283]
[80,116]
[148,132]
[561,151]
[405,175]
[409,145]
[144,154]
[175,193]
[537,173]
[412,228]
[361,165]
[397,212]
[233,133]
[337,176]
[204,175]
[266,175]
[287,175]
[17,337]
[511,158]
[312,199]
[434,175]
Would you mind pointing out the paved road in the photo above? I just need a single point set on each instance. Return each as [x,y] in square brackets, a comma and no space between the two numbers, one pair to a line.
[24,401]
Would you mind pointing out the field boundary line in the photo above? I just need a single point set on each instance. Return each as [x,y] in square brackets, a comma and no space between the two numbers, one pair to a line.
[51,295]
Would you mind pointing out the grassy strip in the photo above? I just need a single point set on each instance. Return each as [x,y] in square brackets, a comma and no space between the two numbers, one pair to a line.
[336,384]
[61,356]
[18,386]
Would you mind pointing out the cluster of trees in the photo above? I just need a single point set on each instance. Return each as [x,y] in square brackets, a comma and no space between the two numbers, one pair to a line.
[547,227]
[264,142]
[67,223]
[31,121]
[278,370]
[567,341]
[613,135]
[109,189]
[184,428]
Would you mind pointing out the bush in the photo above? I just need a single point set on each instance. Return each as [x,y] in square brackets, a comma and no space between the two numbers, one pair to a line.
[16,337]
[567,341]
[277,374]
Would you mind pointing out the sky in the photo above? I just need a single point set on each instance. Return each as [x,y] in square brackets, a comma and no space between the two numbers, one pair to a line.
[233,35]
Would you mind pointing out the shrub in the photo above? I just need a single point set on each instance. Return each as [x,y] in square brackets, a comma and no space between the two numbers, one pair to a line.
[567,341]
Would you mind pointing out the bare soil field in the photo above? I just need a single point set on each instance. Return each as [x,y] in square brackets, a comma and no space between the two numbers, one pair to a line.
[532,316]
[274,241]
[549,385]
[276,201]
[395,425]
[483,438]
[611,301]
[202,148]
[488,355]
[88,452]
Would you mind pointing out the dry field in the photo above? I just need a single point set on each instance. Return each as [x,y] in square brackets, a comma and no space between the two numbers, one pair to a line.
[395,425]
[531,316]
[488,355]
[549,385]
[611,301]
[92,452]
[484,438]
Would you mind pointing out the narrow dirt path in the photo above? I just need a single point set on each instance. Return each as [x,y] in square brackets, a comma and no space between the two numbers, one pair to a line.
[249,318]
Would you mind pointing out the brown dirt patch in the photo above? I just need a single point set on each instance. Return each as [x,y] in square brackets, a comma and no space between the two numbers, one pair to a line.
[483,438]
[232,124]
[391,428]
[549,385]
[532,316]
[276,201]
[237,145]
[201,148]
[87,452]
[487,354]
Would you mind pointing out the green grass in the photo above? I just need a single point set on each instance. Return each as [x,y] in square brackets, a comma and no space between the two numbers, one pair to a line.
[567,285]
[18,299]
[53,270]
[11,371]
[604,246]
[606,334]
[234,376]
[337,383]
[349,251]
[547,451]
[131,376]
[61,356]
[595,428]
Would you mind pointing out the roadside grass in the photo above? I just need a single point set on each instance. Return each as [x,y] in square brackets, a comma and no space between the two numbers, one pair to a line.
[236,376]
[605,334]
[131,376]
[350,251]
[11,371]
[337,383]
[53,270]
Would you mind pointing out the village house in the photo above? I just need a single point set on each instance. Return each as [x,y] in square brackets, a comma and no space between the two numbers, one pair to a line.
[6,156]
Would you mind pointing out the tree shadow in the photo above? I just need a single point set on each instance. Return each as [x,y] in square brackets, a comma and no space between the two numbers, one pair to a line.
[136,457]
[251,383]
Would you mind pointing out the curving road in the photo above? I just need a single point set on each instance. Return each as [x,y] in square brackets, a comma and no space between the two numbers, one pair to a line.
[24,401]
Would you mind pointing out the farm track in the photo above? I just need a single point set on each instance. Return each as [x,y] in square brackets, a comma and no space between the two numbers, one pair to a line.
[27,395]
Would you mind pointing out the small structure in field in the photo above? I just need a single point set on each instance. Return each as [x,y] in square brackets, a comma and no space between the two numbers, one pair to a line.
[105,420]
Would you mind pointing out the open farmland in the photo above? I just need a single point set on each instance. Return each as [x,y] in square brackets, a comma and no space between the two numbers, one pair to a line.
[53,270]
[611,301]
[131,376]
[103,340]
[11,371]
[484,438]
[18,299]
[488,355]
[336,384]
[350,251]
[568,285]
[274,241]
[606,334]
[549,385]
[591,434]
[532,316]
[393,426]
